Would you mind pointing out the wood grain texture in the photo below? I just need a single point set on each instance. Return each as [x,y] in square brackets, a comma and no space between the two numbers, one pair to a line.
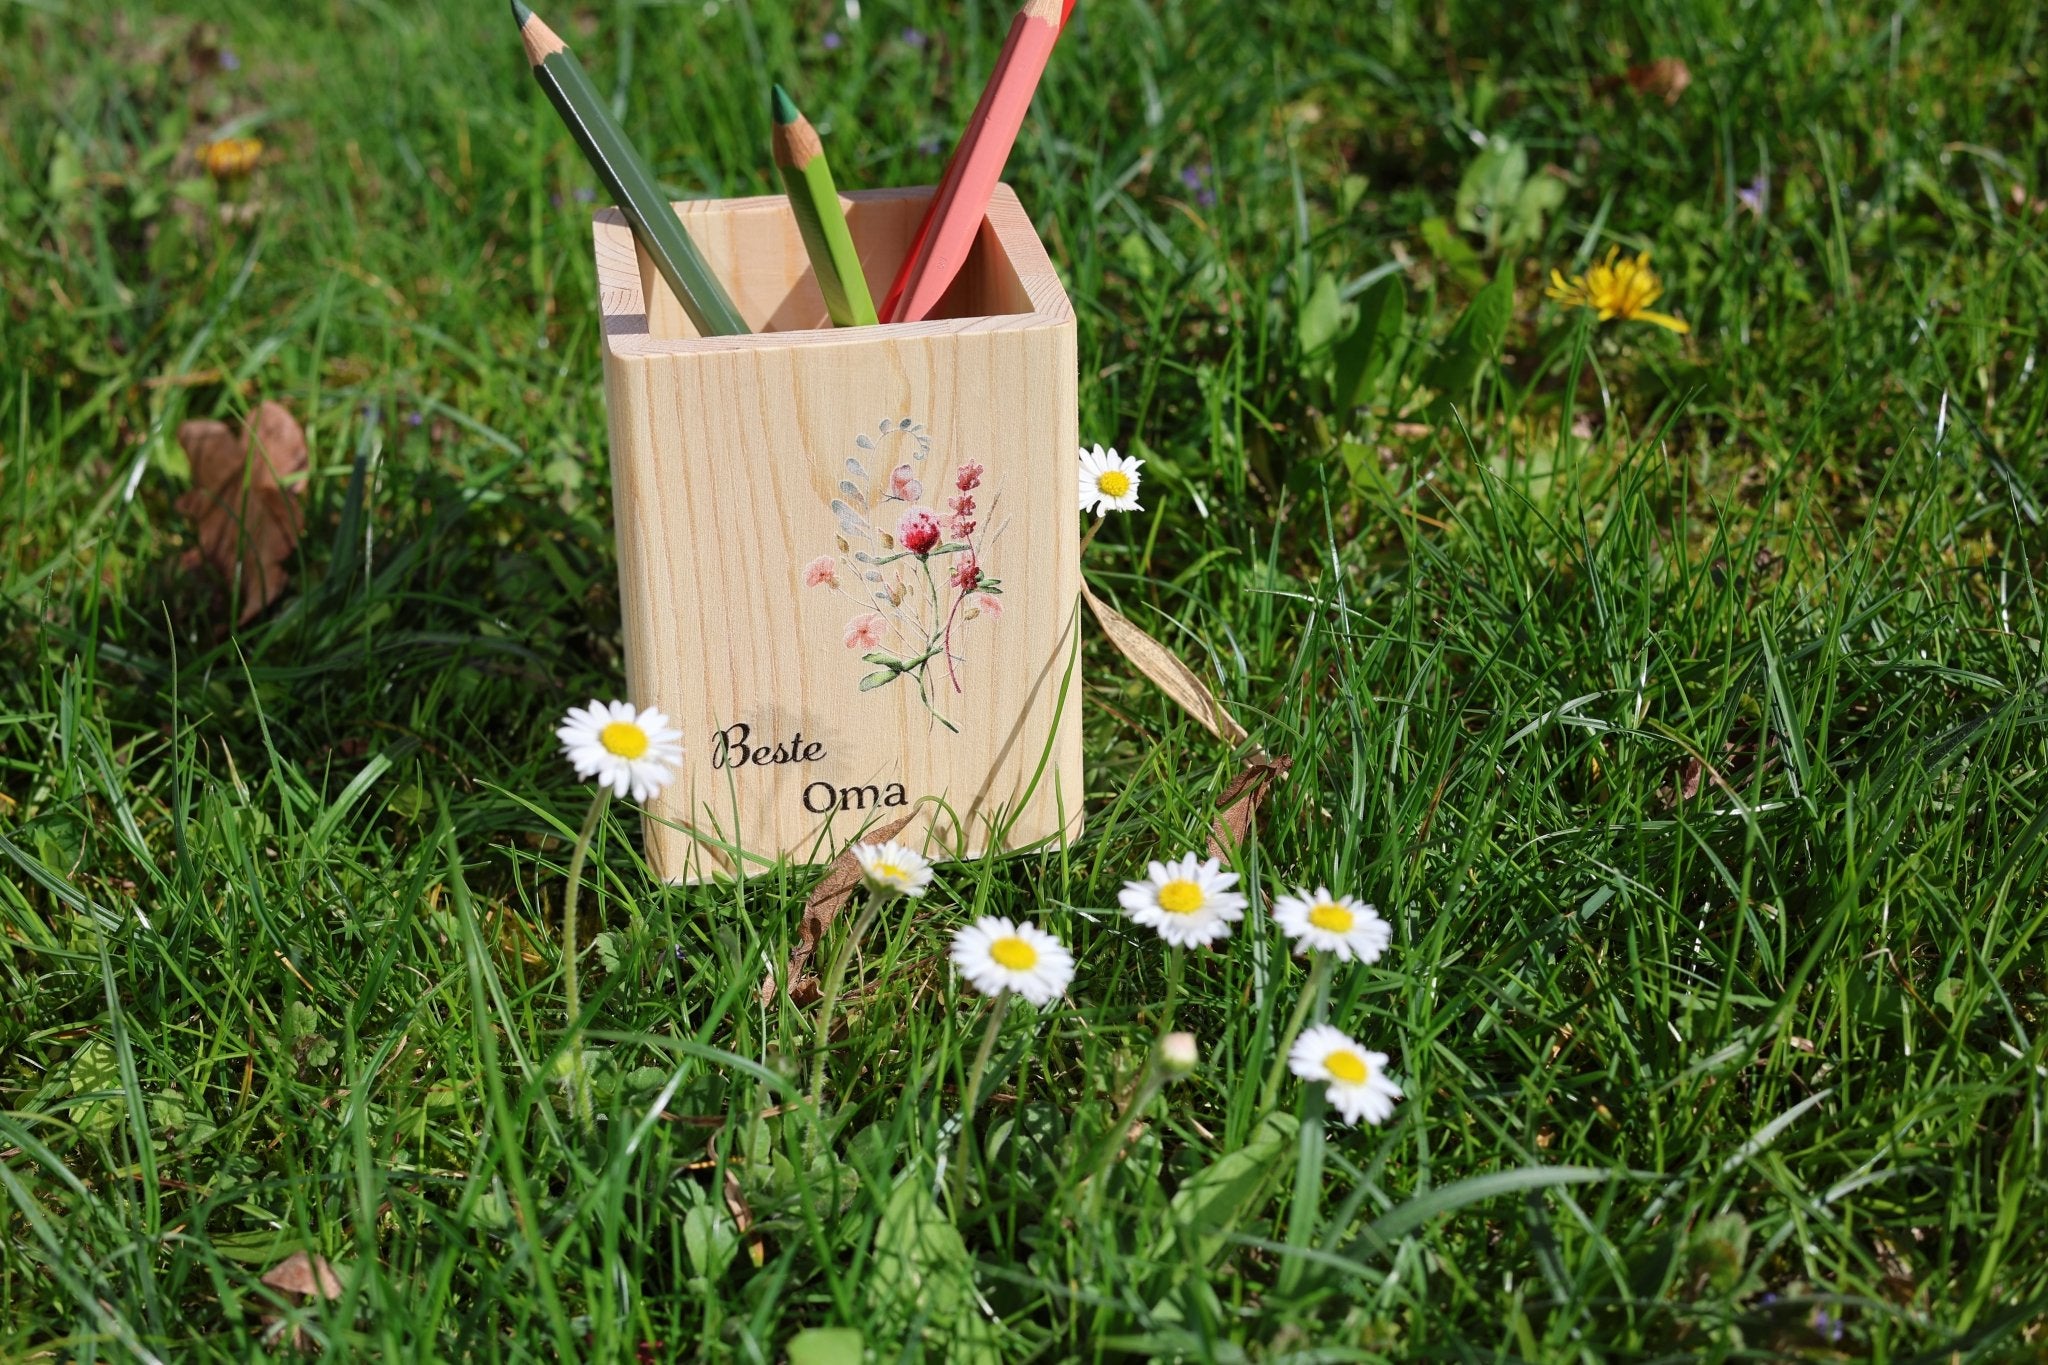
[727,455]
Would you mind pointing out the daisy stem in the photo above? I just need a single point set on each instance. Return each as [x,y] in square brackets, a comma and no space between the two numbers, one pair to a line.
[1113,1141]
[1318,974]
[579,1082]
[996,1014]
[835,975]
[1088,539]
[1176,963]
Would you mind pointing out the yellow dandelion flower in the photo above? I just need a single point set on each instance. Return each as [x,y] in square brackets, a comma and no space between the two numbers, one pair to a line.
[1616,288]
[231,158]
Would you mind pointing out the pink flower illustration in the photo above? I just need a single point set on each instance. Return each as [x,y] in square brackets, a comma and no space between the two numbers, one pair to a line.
[960,525]
[865,631]
[918,532]
[911,615]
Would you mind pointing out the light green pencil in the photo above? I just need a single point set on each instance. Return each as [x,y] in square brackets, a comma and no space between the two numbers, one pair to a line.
[807,175]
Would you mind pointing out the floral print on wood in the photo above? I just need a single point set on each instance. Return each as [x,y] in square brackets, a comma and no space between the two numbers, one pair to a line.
[911,557]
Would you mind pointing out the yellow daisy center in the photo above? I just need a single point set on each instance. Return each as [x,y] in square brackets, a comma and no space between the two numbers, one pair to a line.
[1347,1066]
[887,872]
[1014,954]
[623,738]
[1335,918]
[1114,482]
[1180,898]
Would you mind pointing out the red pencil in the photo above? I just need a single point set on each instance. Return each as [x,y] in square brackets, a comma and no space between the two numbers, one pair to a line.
[952,219]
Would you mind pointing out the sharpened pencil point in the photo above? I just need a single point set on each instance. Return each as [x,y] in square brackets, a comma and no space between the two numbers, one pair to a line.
[520,13]
[781,103]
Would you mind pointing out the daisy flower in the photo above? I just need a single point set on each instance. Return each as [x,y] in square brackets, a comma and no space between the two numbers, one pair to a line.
[624,749]
[1343,925]
[1109,482]
[1188,902]
[893,869]
[1357,1081]
[996,955]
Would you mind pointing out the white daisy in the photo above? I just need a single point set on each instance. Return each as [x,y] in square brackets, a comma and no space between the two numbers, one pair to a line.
[996,955]
[1343,925]
[1356,1079]
[1188,902]
[1109,481]
[625,749]
[893,869]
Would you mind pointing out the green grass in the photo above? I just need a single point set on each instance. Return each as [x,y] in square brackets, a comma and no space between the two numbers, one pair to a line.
[1680,701]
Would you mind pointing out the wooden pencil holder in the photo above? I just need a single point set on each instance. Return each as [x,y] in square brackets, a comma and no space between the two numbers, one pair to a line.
[848,557]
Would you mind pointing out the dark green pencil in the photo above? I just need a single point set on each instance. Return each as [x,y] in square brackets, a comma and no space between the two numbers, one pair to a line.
[605,146]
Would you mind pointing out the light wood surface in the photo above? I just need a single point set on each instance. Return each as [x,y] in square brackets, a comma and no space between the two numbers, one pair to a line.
[727,455]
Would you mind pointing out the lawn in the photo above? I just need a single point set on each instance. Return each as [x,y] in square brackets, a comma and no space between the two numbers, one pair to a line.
[1678,699]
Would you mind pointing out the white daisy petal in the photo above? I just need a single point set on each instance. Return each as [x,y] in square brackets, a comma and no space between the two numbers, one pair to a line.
[997,955]
[893,869]
[1108,481]
[1343,926]
[1188,903]
[621,747]
[1354,1079]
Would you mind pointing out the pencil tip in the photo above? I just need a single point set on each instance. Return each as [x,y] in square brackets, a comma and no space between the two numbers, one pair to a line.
[520,13]
[783,105]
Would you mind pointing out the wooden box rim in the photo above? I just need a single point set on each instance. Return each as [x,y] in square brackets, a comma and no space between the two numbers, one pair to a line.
[623,309]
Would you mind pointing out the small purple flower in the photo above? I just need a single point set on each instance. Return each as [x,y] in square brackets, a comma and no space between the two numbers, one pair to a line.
[1193,176]
[414,418]
[1756,195]
[914,37]
[929,145]
[1205,197]
[555,200]
[229,61]
[1827,1324]
[832,42]
[585,194]
[1770,1297]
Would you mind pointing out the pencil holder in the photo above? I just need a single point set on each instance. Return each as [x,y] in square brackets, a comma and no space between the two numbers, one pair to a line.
[848,557]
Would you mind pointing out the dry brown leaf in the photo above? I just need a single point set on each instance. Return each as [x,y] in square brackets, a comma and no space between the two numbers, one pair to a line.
[1165,669]
[1237,809]
[306,1276]
[1689,775]
[1665,77]
[244,501]
[827,899]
